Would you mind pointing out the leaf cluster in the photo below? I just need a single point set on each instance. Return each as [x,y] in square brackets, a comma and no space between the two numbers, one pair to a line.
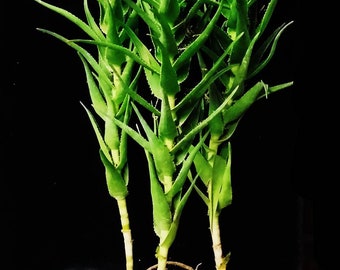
[197,60]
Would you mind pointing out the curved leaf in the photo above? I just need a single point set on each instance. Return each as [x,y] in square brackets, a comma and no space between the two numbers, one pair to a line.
[71,17]
[160,207]
[114,180]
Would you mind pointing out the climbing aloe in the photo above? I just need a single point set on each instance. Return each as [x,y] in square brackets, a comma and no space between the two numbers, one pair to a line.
[245,60]
[110,76]
[188,70]
[168,142]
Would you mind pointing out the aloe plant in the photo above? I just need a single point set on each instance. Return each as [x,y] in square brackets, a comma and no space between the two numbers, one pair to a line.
[168,142]
[110,77]
[246,59]
[199,61]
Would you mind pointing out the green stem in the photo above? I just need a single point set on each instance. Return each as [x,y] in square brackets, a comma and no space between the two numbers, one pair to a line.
[126,231]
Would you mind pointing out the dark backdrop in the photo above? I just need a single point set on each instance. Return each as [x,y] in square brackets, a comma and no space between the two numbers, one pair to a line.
[56,209]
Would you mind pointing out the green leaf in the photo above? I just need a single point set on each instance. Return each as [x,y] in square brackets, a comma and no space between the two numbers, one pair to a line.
[215,185]
[276,88]
[111,134]
[177,215]
[71,17]
[153,80]
[185,127]
[226,194]
[91,21]
[183,173]
[168,78]
[200,193]
[170,87]
[198,91]
[230,129]
[149,20]
[163,159]
[237,23]
[152,68]
[123,145]
[113,16]
[203,168]
[203,123]
[134,95]
[118,48]
[104,80]
[114,180]
[139,99]
[96,96]
[242,70]
[257,67]
[216,126]
[170,9]
[167,130]
[104,148]
[166,38]
[189,51]
[267,16]
[242,104]
[133,134]
[160,207]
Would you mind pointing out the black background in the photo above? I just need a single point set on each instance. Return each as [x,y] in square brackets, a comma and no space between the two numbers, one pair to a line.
[57,213]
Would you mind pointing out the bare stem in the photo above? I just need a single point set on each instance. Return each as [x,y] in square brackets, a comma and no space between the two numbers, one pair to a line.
[216,241]
[220,261]
[163,251]
[126,231]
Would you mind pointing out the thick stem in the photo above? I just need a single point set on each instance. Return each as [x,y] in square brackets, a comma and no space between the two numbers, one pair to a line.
[126,231]
[221,261]
[163,251]
[216,241]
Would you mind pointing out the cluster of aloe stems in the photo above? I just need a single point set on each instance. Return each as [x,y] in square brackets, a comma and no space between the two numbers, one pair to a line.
[190,66]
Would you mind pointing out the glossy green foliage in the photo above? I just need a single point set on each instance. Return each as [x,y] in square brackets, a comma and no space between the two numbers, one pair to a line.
[110,77]
[193,67]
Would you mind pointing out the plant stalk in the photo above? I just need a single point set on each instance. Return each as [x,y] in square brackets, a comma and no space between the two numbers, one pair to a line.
[220,263]
[162,258]
[126,231]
